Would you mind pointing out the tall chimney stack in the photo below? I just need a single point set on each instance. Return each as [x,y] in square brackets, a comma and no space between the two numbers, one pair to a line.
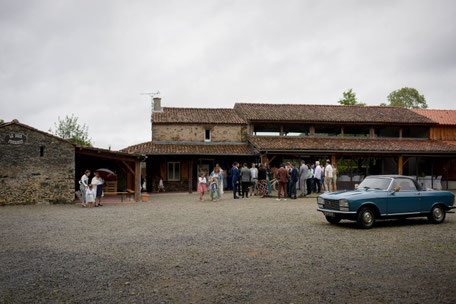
[157,105]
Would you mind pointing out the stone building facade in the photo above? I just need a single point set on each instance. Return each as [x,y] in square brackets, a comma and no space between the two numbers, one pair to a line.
[197,133]
[35,166]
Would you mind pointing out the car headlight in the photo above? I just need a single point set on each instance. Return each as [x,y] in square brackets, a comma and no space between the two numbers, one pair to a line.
[343,205]
[320,202]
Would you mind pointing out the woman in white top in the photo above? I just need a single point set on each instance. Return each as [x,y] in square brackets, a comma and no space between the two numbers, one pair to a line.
[83,185]
[98,182]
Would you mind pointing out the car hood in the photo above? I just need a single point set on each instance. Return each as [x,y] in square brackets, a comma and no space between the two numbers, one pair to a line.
[352,195]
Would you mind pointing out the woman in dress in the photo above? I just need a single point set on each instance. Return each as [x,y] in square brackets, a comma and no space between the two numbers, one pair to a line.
[218,175]
[98,182]
[262,182]
[83,185]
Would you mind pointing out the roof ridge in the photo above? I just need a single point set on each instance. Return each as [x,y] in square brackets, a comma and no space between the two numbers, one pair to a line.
[314,104]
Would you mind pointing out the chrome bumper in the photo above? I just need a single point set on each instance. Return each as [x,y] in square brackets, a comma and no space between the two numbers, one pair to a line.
[335,211]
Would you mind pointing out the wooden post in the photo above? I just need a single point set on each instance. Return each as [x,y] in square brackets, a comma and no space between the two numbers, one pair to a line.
[400,132]
[137,180]
[333,159]
[281,130]
[312,130]
[372,132]
[399,165]
[190,176]
[252,129]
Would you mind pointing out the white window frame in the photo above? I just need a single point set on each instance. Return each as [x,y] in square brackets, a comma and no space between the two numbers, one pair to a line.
[173,177]
[210,135]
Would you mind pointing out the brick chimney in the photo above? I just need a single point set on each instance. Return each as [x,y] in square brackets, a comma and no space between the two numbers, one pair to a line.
[157,105]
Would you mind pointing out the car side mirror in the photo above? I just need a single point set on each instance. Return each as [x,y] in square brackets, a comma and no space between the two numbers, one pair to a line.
[397,189]
[356,186]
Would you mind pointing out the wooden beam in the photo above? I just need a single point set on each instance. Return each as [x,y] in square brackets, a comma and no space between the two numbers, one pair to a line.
[272,158]
[400,164]
[128,167]
[405,162]
[121,166]
[190,176]
[394,161]
[137,180]
[312,131]
[371,132]
[281,130]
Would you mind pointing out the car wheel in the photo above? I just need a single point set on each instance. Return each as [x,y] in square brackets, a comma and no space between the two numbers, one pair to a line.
[333,219]
[437,215]
[366,218]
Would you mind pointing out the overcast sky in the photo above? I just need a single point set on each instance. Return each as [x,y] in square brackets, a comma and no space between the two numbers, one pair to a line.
[94,58]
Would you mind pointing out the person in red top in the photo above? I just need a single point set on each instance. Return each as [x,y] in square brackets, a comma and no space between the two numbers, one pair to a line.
[282,176]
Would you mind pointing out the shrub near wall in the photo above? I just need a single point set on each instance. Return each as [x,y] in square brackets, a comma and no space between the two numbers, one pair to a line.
[35,167]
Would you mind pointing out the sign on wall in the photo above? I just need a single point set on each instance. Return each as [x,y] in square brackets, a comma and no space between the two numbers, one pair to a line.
[15,138]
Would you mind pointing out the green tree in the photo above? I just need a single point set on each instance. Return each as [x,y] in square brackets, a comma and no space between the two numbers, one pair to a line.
[350,99]
[408,98]
[69,129]
[1,121]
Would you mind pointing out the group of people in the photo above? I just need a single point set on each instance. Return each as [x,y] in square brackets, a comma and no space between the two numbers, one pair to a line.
[215,182]
[91,193]
[255,180]
[308,178]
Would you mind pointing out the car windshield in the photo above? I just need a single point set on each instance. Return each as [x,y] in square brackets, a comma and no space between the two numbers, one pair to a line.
[375,183]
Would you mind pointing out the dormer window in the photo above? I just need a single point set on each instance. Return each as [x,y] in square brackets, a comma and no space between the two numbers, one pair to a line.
[207,135]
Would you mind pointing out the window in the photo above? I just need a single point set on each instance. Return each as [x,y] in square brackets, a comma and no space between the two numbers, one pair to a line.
[296,130]
[266,130]
[207,135]
[356,131]
[415,132]
[41,151]
[387,132]
[174,171]
[327,130]
[405,184]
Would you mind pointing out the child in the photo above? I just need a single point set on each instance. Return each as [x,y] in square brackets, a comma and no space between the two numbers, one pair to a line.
[90,195]
[202,185]
[214,190]
[160,185]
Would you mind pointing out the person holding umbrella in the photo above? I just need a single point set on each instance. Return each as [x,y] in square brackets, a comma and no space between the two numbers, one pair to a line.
[98,182]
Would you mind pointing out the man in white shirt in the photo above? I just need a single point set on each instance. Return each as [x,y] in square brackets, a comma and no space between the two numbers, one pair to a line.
[328,176]
[254,175]
[317,176]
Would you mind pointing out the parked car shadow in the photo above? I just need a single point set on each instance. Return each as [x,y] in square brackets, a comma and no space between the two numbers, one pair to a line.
[390,223]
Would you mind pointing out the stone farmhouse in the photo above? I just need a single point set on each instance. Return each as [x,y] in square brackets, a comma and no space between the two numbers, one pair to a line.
[38,167]
[361,140]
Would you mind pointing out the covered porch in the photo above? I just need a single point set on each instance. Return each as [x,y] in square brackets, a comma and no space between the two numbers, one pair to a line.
[126,166]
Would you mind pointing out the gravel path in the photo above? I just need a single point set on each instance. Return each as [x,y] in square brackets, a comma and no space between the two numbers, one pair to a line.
[175,249]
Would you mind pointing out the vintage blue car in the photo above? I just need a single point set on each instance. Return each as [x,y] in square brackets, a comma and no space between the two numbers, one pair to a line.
[385,196]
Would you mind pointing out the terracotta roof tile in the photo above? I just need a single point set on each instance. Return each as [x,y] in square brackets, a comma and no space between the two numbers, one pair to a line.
[197,116]
[443,117]
[329,113]
[191,148]
[266,143]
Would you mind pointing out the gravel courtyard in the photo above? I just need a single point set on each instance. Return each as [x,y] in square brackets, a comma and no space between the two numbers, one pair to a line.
[175,249]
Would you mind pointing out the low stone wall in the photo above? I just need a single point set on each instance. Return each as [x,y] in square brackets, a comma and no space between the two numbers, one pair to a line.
[35,167]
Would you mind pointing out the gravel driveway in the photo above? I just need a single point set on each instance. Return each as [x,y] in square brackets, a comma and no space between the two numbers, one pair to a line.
[175,249]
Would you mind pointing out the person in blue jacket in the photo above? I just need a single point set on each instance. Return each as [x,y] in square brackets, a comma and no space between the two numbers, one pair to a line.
[235,175]
[294,176]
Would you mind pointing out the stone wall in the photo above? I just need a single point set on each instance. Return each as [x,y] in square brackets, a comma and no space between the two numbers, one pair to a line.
[183,132]
[34,167]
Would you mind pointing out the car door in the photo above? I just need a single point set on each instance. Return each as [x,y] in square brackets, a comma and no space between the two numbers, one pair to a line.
[406,200]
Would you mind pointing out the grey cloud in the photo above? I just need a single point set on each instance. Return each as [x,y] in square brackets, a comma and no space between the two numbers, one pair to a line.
[93,58]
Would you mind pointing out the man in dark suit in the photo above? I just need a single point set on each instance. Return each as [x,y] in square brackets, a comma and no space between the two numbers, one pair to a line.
[235,174]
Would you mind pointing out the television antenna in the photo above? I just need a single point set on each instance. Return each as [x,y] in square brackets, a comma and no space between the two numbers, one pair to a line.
[152,96]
